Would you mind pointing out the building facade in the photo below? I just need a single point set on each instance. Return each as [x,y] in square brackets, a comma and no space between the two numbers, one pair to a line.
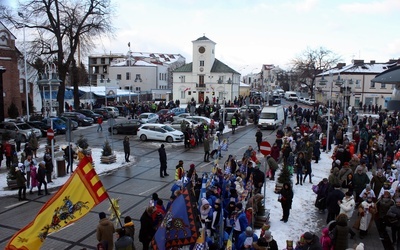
[13,79]
[205,77]
[351,85]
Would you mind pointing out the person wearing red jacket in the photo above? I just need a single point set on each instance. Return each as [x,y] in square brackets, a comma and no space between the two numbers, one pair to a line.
[275,152]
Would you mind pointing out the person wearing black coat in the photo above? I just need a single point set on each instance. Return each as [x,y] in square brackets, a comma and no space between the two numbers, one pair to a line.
[21,183]
[322,194]
[286,199]
[163,161]
[147,230]
[127,148]
[317,150]
[41,175]
[332,203]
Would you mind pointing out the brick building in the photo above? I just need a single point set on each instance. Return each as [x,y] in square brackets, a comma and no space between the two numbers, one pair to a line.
[9,56]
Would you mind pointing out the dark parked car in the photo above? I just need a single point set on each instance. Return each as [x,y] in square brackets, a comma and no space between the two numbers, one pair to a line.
[128,127]
[59,125]
[81,119]
[89,113]
[103,112]
[74,124]
[40,125]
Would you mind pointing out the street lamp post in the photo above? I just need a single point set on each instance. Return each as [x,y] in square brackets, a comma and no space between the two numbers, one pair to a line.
[26,72]
[105,89]
[323,82]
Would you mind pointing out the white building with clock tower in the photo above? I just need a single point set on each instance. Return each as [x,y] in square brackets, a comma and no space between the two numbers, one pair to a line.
[205,77]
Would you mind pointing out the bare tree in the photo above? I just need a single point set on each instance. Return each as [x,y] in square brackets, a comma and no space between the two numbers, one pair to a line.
[62,26]
[311,63]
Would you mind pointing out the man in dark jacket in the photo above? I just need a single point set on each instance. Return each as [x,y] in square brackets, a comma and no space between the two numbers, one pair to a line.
[206,148]
[124,241]
[312,241]
[258,179]
[163,161]
[147,230]
[105,231]
[332,203]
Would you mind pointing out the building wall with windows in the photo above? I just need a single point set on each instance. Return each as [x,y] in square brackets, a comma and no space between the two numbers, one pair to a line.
[352,84]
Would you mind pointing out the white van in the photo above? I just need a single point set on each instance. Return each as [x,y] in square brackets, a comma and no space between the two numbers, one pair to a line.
[271,117]
[291,96]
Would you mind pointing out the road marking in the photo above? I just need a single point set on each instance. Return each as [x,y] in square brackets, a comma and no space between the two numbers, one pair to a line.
[16,204]
[150,189]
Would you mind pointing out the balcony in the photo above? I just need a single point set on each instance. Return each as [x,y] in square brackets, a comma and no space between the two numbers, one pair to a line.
[200,86]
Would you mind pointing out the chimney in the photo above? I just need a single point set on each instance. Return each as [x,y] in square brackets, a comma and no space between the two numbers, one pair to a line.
[340,65]
[358,61]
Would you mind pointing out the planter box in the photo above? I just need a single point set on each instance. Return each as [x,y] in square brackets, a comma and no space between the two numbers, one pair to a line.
[108,159]
[12,184]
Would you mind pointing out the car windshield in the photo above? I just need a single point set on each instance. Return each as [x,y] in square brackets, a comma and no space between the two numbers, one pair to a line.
[144,116]
[23,126]
[58,122]
[267,116]
[168,128]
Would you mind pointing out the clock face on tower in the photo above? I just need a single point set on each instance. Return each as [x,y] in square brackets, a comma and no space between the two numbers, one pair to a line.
[202,49]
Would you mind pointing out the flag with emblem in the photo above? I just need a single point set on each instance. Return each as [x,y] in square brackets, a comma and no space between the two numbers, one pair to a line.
[65,207]
[180,226]
[201,241]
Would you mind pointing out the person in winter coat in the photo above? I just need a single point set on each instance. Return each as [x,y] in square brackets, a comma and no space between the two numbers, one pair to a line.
[383,205]
[347,185]
[334,177]
[246,239]
[163,161]
[33,175]
[332,203]
[273,166]
[105,231]
[343,172]
[325,240]
[366,212]
[147,229]
[394,213]
[340,234]
[377,182]
[322,194]
[266,242]
[286,199]
[317,150]
[312,241]
[240,222]
[49,164]
[360,181]
[129,227]
[347,205]
[21,183]
[41,177]
[124,241]
[275,152]
[127,148]
[259,136]
[300,166]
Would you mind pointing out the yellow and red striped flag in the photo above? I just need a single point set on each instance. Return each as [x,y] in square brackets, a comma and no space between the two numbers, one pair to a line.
[82,191]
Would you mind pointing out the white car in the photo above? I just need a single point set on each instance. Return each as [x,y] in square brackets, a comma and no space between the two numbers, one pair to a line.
[311,102]
[305,100]
[177,124]
[301,99]
[113,111]
[148,117]
[181,116]
[199,119]
[160,132]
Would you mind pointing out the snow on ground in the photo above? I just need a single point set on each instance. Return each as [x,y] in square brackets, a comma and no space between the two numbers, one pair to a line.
[303,215]
[59,181]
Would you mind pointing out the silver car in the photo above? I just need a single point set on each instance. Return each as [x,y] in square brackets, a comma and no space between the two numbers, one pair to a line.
[24,128]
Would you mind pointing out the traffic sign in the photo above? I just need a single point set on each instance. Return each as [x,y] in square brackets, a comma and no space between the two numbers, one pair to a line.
[265,148]
[50,134]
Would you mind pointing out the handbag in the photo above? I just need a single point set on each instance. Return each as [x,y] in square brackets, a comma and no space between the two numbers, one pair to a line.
[315,189]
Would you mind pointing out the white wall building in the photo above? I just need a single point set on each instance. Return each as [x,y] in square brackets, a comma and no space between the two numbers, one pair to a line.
[205,77]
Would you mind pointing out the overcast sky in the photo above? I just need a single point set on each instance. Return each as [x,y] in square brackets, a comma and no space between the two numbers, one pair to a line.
[250,33]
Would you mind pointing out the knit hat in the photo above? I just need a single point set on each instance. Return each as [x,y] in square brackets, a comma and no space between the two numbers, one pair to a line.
[192,165]
[267,234]
[20,165]
[102,215]
[337,162]
[308,236]
[249,231]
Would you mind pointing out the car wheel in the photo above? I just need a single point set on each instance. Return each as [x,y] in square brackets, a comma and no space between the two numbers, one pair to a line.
[115,131]
[169,139]
[80,124]
[143,138]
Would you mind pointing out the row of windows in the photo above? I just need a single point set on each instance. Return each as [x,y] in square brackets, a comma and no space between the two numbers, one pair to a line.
[162,76]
